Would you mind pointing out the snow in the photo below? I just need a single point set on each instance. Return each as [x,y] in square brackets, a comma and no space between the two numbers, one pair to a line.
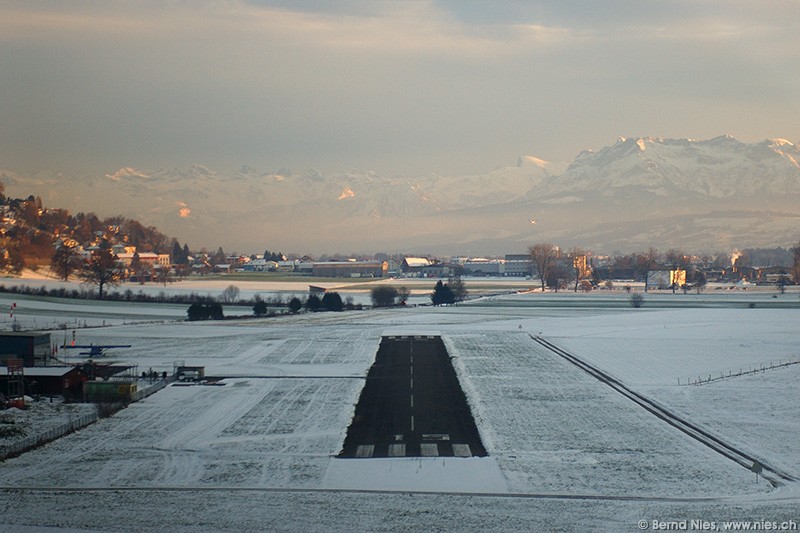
[38,418]
[258,450]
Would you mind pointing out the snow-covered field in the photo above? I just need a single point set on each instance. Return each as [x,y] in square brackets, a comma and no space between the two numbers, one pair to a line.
[566,452]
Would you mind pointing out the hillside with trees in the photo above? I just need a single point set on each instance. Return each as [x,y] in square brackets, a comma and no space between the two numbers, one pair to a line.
[35,236]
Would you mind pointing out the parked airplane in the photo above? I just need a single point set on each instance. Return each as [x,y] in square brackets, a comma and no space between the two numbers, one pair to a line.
[96,350]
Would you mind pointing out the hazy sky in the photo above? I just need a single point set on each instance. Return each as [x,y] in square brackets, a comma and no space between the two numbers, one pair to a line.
[416,87]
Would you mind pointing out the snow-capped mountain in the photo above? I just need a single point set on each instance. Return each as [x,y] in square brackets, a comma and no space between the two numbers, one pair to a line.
[635,193]
[717,168]
[251,209]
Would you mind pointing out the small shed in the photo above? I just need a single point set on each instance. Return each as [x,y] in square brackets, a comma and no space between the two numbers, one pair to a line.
[109,391]
[50,380]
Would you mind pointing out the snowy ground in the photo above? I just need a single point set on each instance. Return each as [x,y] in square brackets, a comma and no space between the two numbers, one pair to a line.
[565,451]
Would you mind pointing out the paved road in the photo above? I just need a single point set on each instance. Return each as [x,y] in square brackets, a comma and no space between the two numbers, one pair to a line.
[412,405]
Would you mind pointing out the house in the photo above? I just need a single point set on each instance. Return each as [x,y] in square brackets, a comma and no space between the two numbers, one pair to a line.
[665,278]
[145,258]
[286,266]
[414,264]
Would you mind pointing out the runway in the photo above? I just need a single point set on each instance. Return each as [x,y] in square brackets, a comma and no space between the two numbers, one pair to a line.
[412,405]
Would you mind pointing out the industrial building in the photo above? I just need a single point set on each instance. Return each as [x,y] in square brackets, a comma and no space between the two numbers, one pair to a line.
[350,269]
[665,279]
[34,348]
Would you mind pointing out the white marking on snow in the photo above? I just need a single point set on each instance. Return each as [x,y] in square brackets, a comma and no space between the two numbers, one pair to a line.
[397,450]
[461,450]
[365,450]
[429,449]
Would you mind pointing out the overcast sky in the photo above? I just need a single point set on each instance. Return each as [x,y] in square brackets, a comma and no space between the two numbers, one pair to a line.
[408,88]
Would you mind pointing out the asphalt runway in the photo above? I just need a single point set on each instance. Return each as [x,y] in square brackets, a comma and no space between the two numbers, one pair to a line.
[412,405]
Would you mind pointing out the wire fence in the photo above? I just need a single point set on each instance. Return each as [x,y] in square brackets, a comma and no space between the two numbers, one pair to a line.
[730,374]
[147,391]
[19,446]
[22,445]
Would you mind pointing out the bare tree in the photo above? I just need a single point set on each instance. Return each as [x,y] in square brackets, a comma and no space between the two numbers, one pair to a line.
[65,261]
[101,270]
[579,264]
[796,262]
[677,259]
[645,262]
[163,275]
[230,294]
[456,284]
[543,257]
[403,293]
[558,274]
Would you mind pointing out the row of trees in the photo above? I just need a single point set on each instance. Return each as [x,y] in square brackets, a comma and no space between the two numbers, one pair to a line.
[205,311]
[796,263]
[550,268]
[443,293]
[330,301]
[101,269]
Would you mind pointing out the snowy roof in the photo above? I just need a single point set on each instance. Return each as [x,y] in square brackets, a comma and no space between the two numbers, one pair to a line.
[417,261]
[47,371]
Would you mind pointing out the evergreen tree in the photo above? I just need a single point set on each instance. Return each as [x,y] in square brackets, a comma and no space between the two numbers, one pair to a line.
[215,311]
[313,303]
[442,294]
[273,256]
[198,311]
[179,256]
[331,301]
[295,305]
[260,307]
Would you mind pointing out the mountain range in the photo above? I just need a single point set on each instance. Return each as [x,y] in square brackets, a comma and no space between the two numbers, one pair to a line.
[712,195]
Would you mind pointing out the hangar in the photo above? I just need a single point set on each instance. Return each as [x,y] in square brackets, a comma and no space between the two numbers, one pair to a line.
[350,269]
[31,346]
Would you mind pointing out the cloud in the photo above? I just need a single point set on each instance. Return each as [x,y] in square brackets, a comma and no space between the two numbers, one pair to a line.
[401,87]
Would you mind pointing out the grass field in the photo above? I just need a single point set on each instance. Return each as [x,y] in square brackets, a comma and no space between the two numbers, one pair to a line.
[566,452]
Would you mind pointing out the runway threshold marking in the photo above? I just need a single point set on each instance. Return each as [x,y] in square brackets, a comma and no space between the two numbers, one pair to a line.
[365,450]
[397,450]
[429,449]
[461,450]
[386,422]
